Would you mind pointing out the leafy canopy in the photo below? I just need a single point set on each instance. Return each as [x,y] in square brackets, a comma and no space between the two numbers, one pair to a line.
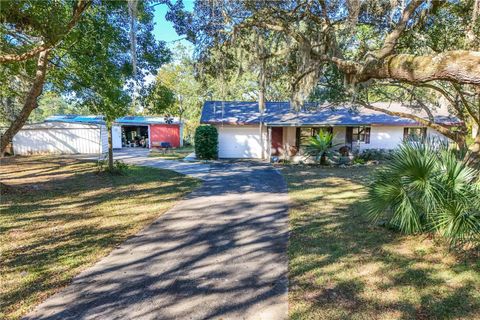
[347,51]
[92,64]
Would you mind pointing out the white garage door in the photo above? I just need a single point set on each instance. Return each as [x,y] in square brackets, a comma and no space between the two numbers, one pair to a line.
[239,142]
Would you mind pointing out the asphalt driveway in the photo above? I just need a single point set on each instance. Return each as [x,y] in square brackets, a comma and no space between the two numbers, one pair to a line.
[219,254]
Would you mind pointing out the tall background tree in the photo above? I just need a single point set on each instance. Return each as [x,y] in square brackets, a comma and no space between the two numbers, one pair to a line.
[51,103]
[176,92]
[182,86]
[414,51]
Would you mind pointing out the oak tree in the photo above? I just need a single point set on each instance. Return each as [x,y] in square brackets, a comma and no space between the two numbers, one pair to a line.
[357,50]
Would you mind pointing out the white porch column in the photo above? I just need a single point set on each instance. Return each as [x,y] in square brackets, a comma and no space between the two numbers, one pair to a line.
[269,143]
[149,139]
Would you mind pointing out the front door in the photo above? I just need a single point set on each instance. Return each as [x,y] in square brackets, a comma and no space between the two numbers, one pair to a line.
[277,141]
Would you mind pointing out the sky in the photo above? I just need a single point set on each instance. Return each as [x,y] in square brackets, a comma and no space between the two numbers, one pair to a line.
[164,30]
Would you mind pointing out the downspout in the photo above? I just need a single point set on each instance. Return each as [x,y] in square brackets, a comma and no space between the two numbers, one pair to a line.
[181,133]
[223,110]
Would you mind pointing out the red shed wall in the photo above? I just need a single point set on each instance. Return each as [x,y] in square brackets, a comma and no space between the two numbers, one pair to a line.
[165,133]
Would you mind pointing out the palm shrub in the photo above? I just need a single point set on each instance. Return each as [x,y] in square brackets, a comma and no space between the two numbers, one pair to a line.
[458,212]
[318,146]
[426,188]
[206,142]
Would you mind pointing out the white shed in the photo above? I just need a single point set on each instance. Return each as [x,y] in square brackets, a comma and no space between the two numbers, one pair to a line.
[61,138]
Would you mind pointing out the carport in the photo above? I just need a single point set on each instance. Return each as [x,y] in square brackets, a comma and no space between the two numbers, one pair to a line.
[135,136]
[148,132]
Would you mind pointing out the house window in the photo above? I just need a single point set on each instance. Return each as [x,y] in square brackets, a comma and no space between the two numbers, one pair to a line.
[358,134]
[305,133]
[414,133]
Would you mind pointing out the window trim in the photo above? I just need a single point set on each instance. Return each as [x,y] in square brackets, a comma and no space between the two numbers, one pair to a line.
[313,131]
[361,130]
[406,134]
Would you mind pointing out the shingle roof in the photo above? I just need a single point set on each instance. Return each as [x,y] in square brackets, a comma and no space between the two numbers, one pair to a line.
[281,114]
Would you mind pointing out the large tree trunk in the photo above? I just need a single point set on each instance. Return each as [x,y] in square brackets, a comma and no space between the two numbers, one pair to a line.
[110,147]
[473,156]
[458,66]
[30,101]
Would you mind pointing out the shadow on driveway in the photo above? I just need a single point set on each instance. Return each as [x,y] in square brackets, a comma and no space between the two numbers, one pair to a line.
[220,253]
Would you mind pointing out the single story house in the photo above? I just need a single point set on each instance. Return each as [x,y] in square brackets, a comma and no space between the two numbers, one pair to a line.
[280,130]
[66,134]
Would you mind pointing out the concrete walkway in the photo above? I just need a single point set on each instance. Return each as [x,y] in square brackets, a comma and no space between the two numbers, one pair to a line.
[139,157]
[219,254]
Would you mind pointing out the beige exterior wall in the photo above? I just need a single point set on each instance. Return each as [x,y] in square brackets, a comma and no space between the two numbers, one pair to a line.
[264,141]
[381,137]
[289,136]
[339,136]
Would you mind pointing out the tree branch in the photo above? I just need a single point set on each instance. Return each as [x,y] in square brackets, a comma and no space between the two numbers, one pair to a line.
[391,40]
[457,66]
[438,89]
[466,103]
[440,128]
[346,66]
[80,7]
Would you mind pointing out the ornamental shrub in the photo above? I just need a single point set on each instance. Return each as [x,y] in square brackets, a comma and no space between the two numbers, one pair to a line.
[426,188]
[206,142]
[319,145]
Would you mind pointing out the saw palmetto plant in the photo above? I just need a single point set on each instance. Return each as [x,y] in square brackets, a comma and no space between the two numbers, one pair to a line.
[426,188]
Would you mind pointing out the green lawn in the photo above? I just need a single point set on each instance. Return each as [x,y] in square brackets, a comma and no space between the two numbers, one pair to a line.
[173,154]
[58,217]
[343,267]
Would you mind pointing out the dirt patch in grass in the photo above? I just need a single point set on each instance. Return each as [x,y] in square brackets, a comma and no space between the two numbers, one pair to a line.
[58,217]
[343,267]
